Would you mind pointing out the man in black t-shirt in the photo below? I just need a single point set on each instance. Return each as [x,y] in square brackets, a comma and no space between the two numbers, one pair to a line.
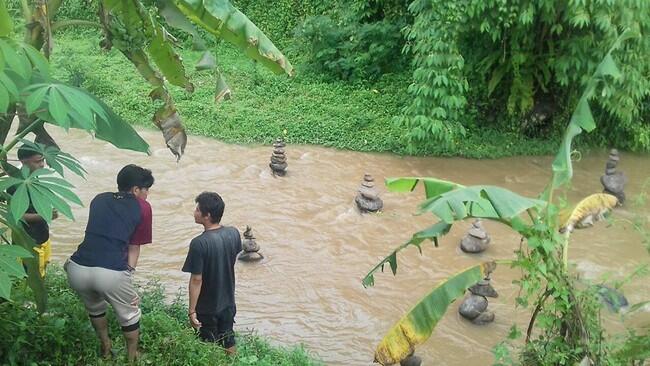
[211,262]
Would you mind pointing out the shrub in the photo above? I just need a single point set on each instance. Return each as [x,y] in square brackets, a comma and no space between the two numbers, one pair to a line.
[63,335]
[352,51]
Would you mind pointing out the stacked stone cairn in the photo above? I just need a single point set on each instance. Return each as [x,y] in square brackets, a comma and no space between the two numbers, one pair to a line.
[411,360]
[278,162]
[250,247]
[614,182]
[474,307]
[367,198]
[476,240]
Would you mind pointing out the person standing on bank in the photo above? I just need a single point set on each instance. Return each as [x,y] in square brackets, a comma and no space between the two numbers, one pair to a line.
[34,224]
[101,269]
[211,262]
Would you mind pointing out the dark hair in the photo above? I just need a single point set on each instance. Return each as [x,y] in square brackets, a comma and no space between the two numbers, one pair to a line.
[134,176]
[26,152]
[211,203]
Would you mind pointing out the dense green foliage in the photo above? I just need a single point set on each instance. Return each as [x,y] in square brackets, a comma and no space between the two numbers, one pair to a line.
[342,115]
[507,70]
[63,335]
[532,56]
[351,51]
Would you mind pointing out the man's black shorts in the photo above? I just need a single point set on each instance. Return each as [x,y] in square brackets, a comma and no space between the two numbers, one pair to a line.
[218,327]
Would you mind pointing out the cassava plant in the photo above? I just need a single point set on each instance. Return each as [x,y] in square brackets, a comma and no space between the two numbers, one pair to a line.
[28,90]
[564,327]
[29,94]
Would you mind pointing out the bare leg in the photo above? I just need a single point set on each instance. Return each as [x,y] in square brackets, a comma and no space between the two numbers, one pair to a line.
[101,328]
[231,351]
[132,344]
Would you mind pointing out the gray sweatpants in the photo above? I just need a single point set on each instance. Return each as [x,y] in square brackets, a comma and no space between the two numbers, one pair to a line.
[97,287]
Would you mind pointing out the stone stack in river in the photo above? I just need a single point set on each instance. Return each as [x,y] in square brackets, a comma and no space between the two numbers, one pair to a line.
[278,162]
[614,182]
[476,240]
[250,248]
[367,198]
[474,307]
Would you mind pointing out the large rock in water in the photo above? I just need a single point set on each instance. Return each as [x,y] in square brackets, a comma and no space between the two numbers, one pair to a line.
[483,288]
[367,198]
[411,360]
[474,307]
[613,298]
[250,248]
[278,162]
[614,182]
[476,240]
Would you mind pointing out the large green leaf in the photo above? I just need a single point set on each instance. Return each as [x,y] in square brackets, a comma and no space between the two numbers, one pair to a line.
[117,131]
[5,285]
[478,201]
[38,61]
[44,193]
[15,60]
[223,20]
[417,325]
[432,233]
[138,23]
[582,119]
[34,279]
[168,10]
[167,60]
[67,106]
[11,267]
[432,186]
[19,201]
[6,24]
[55,158]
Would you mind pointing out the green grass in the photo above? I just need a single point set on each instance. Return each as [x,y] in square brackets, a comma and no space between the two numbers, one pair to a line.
[305,109]
[63,335]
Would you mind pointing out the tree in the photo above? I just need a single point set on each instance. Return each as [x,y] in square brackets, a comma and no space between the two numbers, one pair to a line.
[525,60]
[28,91]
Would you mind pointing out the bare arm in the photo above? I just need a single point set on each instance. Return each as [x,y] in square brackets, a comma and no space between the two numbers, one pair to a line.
[194,290]
[134,254]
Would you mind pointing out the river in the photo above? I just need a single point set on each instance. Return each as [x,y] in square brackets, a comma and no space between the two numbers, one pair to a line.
[318,246]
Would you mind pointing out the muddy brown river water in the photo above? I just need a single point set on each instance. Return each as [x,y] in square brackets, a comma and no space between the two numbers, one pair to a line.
[318,247]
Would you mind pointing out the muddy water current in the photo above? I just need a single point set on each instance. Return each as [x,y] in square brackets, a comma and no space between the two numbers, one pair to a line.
[318,247]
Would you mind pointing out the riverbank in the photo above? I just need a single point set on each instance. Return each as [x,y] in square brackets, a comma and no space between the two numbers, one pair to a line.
[303,109]
[64,336]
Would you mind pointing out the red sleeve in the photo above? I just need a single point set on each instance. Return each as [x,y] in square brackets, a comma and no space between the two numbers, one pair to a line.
[142,234]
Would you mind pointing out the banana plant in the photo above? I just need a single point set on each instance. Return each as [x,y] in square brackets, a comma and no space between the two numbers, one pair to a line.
[128,26]
[543,259]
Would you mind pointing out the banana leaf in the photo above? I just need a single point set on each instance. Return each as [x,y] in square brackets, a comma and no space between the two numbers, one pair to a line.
[432,233]
[432,186]
[452,201]
[138,24]
[176,19]
[587,211]
[222,19]
[582,119]
[6,24]
[417,325]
